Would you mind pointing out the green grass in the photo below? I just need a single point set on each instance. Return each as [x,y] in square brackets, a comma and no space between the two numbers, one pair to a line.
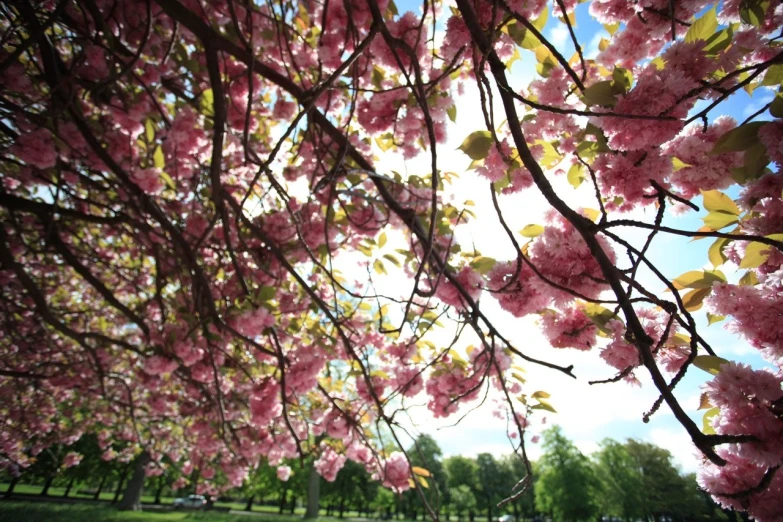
[12,511]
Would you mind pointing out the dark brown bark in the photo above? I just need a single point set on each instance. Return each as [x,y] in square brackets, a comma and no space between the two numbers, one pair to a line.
[131,498]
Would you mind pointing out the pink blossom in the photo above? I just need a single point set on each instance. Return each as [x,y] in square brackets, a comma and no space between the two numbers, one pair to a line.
[72,459]
[329,464]
[284,473]
[36,148]
[396,472]
[470,280]
[159,365]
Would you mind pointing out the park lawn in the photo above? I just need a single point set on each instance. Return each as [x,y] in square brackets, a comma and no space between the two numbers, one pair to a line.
[14,511]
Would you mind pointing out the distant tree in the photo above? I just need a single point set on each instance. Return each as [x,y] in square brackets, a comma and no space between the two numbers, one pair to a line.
[665,491]
[462,500]
[621,482]
[426,453]
[566,488]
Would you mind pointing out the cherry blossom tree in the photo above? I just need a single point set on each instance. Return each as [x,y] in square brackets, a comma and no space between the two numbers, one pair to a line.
[186,184]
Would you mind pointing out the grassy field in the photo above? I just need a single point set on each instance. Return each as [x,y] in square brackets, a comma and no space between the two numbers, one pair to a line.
[27,489]
[14,511]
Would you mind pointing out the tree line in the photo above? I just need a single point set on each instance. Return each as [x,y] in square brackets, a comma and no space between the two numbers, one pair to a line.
[631,480]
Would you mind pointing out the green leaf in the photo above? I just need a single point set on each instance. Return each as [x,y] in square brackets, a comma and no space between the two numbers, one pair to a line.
[694,299]
[749,279]
[698,279]
[716,201]
[576,175]
[207,103]
[622,79]
[267,293]
[715,253]
[707,421]
[753,11]
[709,363]
[158,160]
[600,93]
[599,315]
[755,161]
[737,139]
[522,37]
[392,7]
[483,265]
[477,144]
[719,220]
[704,27]
[168,181]
[774,75]
[776,107]
[149,130]
[392,259]
[718,41]
[452,112]
[532,231]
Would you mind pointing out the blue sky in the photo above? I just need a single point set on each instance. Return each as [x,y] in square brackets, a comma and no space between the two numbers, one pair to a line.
[587,414]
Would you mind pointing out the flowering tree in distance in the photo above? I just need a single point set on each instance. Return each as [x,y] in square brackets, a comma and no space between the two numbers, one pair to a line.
[183,183]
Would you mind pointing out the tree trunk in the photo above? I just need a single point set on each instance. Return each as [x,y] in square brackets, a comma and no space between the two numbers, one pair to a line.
[97,495]
[47,485]
[161,485]
[131,498]
[293,503]
[313,493]
[283,497]
[471,515]
[68,487]
[11,486]
[249,505]
[342,506]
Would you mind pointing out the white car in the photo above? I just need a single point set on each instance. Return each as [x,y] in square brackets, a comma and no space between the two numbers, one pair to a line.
[191,501]
[505,518]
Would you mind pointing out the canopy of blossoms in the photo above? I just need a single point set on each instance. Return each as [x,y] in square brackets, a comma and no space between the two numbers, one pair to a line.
[181,179]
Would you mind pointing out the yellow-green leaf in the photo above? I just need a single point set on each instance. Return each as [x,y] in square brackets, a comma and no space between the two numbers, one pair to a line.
[739,138]
[707,421]
[483,265]
[698,279]
[382,240]
[576,175]
[719,220]
[694,299]
[532,231]
[477,144]
[712,319]
[540,395]
[715,200]
[756,254]
[600,93]
[149,130]
[420,471]
[158,159]
[709,363]
[715,253]
[544,405]
[378,267]
[749,279]
[678,164]
[704,27]
[591,214]
[207,102]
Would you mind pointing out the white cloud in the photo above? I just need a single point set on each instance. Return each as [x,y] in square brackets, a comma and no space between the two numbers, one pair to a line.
[558,35]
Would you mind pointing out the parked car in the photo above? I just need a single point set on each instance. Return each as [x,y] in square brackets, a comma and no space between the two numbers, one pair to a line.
[191,501]
[505,518]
